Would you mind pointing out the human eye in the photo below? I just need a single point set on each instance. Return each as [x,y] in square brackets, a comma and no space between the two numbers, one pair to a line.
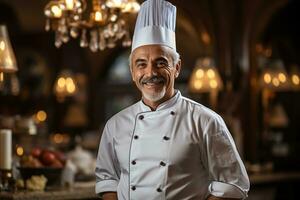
[141,65]
[162,64]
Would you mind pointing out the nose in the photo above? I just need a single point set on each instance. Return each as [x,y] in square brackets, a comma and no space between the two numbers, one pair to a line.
[151,70]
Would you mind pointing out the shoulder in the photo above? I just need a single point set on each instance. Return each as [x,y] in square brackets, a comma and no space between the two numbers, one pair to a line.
[207,118]
[199,109]
[124,116]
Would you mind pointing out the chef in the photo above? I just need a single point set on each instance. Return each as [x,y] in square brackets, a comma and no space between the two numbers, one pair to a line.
[165,146]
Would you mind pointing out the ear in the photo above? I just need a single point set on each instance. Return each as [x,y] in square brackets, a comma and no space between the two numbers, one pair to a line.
[131,71]
[178,68]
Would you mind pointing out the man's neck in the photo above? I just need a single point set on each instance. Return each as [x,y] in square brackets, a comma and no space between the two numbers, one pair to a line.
[154,104]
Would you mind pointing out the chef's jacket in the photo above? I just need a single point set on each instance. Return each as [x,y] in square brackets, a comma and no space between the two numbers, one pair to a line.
[180,151]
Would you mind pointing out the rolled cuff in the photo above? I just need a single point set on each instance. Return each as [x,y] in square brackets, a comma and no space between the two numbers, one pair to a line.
[225,190]
[106,186]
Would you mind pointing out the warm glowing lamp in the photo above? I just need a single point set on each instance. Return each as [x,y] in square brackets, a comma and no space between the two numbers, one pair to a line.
[131,7]
[8,62]
[295,77]
[117,4]
[206,78]
[65,85]
[274,77]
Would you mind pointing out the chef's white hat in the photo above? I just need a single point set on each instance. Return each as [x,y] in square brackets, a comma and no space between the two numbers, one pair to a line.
[155,24]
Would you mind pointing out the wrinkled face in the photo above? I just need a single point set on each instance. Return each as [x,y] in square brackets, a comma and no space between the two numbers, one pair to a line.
[154,72]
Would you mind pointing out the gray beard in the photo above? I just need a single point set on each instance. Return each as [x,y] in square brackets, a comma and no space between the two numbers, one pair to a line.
[156,96]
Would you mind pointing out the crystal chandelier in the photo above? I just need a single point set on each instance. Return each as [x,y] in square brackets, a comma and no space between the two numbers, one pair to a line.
[100,25]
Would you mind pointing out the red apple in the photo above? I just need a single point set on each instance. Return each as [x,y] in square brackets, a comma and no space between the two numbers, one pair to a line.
[48,157]
[36,152]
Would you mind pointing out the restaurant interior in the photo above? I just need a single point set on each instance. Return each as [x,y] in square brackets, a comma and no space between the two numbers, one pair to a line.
[64,72]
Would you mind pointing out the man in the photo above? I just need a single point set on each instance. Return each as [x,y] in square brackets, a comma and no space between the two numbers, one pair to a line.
[165,146]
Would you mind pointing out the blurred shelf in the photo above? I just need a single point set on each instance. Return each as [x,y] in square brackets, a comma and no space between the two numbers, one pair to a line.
[274,177]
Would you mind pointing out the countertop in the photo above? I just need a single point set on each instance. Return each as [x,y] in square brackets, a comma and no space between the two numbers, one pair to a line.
[81,190]
[86,190]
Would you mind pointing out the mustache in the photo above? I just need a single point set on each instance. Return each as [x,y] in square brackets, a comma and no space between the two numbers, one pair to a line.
[153,79]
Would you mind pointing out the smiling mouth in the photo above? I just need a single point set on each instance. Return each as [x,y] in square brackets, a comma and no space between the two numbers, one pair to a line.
[153,81]
[153,84]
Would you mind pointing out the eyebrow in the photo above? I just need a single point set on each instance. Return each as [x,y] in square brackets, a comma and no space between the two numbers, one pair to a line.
[139,60]
[161,58]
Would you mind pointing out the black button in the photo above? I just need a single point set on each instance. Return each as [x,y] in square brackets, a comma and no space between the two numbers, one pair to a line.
[141,117]
[172,113]
[133,188]
[133,162]
[136,137]
[166,138]
[159,190]
[162,163]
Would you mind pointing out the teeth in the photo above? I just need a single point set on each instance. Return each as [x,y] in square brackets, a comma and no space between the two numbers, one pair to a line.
[150,84]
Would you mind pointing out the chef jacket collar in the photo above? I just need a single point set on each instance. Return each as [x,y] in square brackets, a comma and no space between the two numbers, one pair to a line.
[165,105]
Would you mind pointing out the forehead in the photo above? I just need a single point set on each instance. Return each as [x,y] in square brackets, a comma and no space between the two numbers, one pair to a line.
[150,51]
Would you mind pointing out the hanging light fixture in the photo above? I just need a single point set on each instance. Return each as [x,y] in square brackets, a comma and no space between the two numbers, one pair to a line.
[8,62]
[103,28]
[9,83]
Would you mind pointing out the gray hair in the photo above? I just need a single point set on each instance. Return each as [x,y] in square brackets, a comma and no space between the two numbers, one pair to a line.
[174,54]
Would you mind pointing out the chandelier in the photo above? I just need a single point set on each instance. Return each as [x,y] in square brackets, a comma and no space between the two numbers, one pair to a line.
[100,24]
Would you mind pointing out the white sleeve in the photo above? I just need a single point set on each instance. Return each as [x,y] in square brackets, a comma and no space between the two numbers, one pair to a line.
[107,171]
[228,176]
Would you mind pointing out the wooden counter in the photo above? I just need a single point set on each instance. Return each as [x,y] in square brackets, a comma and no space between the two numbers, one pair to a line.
[79,191]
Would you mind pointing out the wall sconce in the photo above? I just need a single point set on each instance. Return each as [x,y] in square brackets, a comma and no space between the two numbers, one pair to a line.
[65,85]
[274,77]
[295,77]
[206,78]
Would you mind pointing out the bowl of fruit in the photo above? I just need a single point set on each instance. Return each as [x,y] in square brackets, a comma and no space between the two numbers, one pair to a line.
[44,162]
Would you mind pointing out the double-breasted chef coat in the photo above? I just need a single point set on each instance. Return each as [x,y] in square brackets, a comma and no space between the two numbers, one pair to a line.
[181,151]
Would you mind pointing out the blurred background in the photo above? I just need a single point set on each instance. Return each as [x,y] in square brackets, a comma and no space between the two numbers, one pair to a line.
[68,73]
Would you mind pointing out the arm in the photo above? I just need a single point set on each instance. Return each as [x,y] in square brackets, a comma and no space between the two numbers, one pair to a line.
[107,169]
[226,170]
[109,196]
